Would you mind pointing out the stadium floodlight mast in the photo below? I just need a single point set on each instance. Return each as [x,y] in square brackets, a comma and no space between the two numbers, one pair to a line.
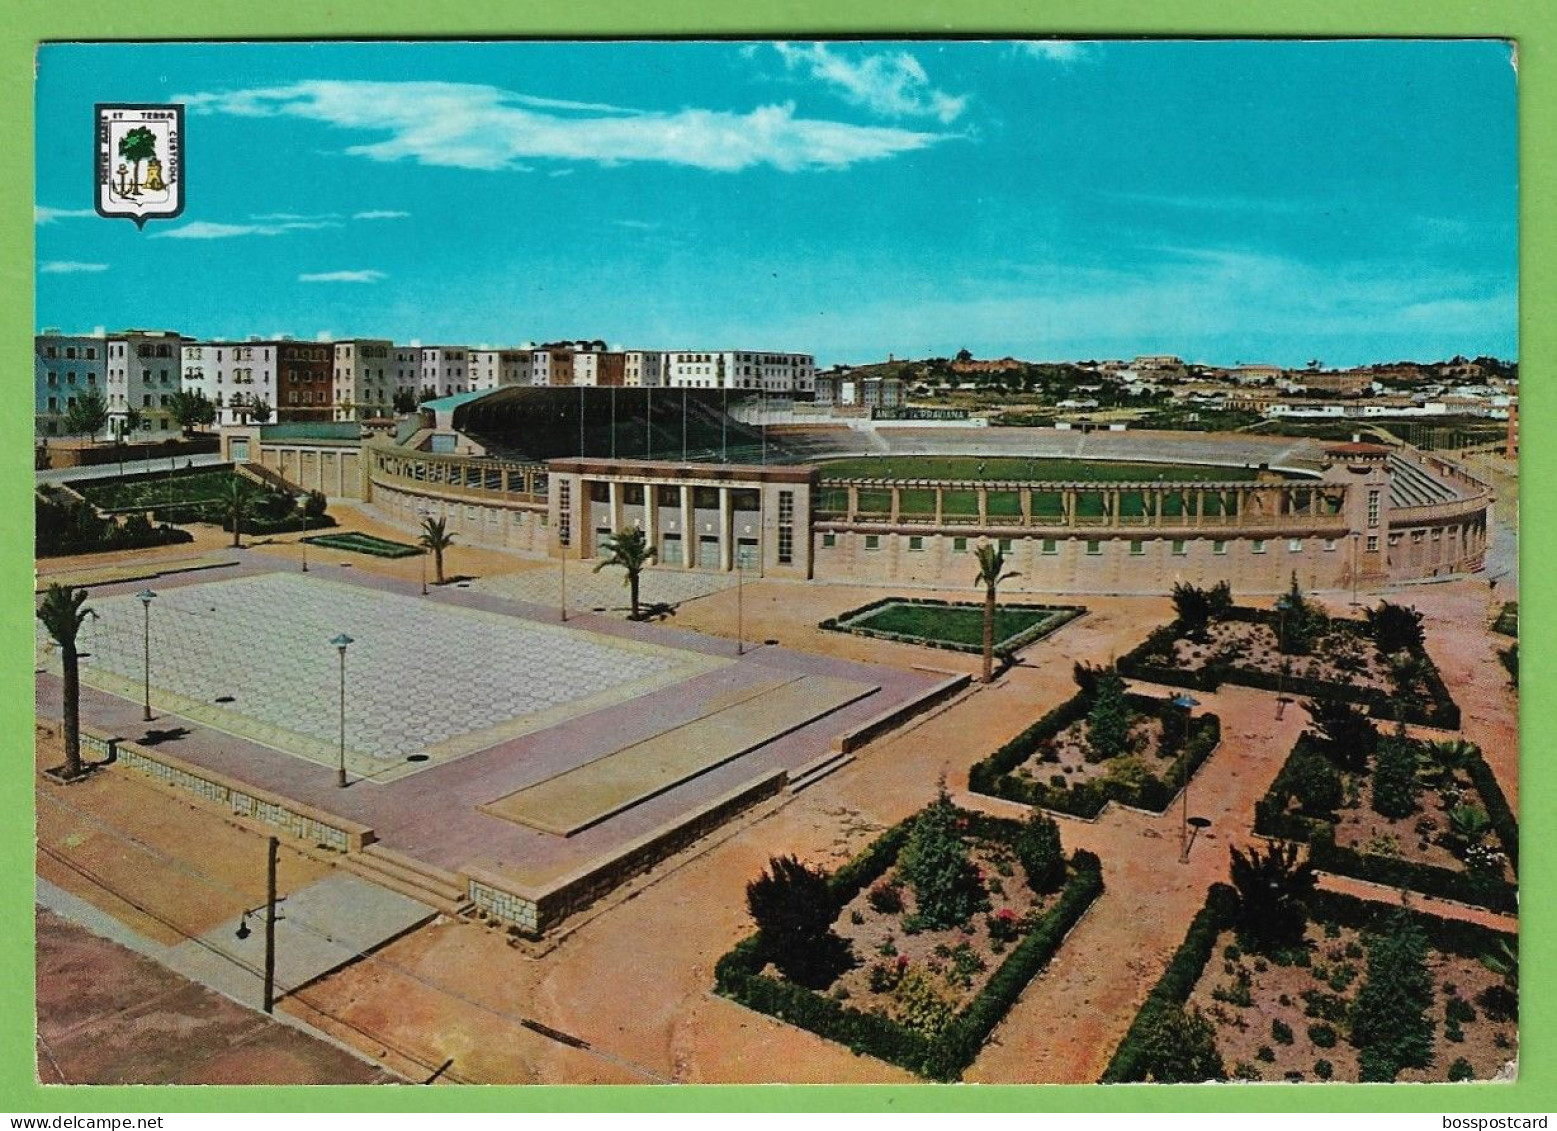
[340,643]
[146,597]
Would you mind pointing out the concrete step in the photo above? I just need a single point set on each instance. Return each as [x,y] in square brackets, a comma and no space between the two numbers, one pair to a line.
[411,878]
[808,775]
[379,851]
[410,888]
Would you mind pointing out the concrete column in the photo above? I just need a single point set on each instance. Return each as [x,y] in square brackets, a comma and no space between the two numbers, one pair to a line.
[1159,497]
[614,504]
[651,517]
[852,506]
[983,497]
[940,505]
[1024,497]
[1200,506]
[726,531]
[688,529]
[1068,506]
[897,503]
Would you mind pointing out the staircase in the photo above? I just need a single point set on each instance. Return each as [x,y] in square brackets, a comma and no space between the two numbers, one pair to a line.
[265,477]
[814,771]
[398,872]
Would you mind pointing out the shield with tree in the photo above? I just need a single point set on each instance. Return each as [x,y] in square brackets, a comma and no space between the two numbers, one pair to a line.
[629,549]
[62,611]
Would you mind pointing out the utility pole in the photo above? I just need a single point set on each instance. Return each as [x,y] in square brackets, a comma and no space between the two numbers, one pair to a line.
[270,925]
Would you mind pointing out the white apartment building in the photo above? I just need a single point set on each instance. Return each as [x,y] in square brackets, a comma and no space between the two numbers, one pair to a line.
[785,373]
[236,377]
[643,369]
[498,369]
[445,371]
[364,378]
[143,374]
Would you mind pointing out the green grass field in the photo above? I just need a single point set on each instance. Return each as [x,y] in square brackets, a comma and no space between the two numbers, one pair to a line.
[1008,469]
[953,624]
[364,544]
[188,488]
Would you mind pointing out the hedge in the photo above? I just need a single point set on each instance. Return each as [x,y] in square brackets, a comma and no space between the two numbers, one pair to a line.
[1447,936]
[1272,819]
[738,974]
[993,775]
[1003,648]
[1176,984]
[1440,712]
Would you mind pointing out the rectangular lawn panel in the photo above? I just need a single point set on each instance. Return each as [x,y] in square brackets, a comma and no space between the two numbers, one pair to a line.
[956,626]
[364,544]
[884,1024]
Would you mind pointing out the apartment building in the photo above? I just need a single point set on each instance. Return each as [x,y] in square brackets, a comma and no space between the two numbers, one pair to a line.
[445,370]
[65,367]
[303,380]
[786,373]
[238,378]
[602,368]
[143,373]
[643,369]
[364,378]
[499,368]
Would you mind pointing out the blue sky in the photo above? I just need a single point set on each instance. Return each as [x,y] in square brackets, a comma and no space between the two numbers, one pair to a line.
[1225,201]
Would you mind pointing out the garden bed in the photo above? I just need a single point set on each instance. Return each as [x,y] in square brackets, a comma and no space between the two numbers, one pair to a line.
[954,625]
[364,544]
[1293,1015]
[1455,835]
[1052,764]
[1244,647]
[914,992]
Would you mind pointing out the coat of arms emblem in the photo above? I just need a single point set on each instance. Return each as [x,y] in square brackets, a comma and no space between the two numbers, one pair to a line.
[140,161]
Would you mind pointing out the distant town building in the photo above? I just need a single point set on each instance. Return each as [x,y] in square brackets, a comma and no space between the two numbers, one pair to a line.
[236,377]
[143,374]
[303,380]
[365,378]
[740,369]
[445,371]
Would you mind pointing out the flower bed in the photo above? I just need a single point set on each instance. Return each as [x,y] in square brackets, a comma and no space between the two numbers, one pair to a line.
[1046,765]
[922,997]
[957,626]
[364,544]
[1437,848]
[1290,1016]
[1242,648]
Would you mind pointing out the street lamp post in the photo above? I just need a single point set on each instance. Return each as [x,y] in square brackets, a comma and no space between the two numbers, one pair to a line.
[146,598]
[564,549]
[1282,605]
[1186,703]
[340,643]
[740,617]
[424,514]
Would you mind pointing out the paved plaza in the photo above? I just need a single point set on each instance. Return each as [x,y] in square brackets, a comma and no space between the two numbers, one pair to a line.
[604,591]
[252,656]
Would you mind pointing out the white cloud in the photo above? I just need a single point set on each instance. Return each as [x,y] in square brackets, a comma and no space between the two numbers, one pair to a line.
[209,230]
[892,83]
[69,267]
[379,214]
[43,214]
[470,126]
[640,225]
[1064,51]
[343,277]
[295,217]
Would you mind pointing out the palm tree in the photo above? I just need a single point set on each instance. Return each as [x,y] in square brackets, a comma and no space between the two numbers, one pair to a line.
[236,500]
[992,563]
[629,549]
[436,537]
[62,614]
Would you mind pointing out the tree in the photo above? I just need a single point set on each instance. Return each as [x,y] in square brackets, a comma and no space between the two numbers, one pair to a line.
[405,401]
[1299,623]
[1395,628]
[794,909]
[259,412]
[189,407]
[1391,1026]
[964,355]
[1313,781]
[992,571]
[629,549]
[1040,852]
[1273,889]
[62,613]
[87,416]
[436,538]
[1395,784]
[137,145]
[1179,1047]
[1193,606]
[1347,736]
[236,501]
[313,505]
[1108,722]
[935,863]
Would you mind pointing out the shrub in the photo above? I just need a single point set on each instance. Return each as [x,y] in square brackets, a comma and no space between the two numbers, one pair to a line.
[1280,1031]
[924,1001]
[1312,781]
[1322,1035]
[1347,737]
[1179,1047]
[1040,852]
[1390,1023]
[1108,721]
[1265,1053]
[886,897]
[1273,888]
[1395,785]
[794,908]
[1324,1069]
[935,863]
[1461,1071]
[1395,628]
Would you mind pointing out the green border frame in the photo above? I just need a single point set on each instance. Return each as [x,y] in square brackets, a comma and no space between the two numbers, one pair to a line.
[1534,26]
